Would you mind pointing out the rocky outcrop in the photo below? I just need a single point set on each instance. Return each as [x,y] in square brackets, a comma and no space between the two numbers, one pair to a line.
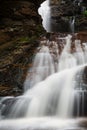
[82,36]
[20,28]
[19,16]
[69,14]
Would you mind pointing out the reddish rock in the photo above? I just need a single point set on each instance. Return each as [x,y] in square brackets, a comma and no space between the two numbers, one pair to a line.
[82,36]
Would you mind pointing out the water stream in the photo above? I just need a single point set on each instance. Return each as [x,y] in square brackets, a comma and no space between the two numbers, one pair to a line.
[54,87]
[44,11]
[52,95]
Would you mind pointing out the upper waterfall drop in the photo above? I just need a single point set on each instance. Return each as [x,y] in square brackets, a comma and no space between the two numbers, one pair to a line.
[72,24]
[62,15]
[45,12]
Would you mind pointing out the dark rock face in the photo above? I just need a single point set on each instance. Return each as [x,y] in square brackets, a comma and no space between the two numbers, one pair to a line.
[17,15]
[20,27]
[73,14]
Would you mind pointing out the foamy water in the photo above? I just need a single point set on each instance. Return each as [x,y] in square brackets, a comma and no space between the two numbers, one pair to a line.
[49,101]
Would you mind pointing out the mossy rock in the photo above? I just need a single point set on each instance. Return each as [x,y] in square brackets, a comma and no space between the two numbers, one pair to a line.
[85,12]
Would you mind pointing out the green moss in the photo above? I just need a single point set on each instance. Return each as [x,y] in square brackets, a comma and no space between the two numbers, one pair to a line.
[85,12]
[27,39]
[24,39]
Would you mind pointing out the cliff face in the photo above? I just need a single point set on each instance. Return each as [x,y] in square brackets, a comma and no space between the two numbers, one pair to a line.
[66,13]
[20,27]
[18,14]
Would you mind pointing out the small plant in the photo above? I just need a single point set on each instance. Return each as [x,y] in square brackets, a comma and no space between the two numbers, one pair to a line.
[85,12]
[24,39]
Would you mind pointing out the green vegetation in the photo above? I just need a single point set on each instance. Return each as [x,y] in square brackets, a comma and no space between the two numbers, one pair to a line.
[27,39]
[85,12]
[24,39]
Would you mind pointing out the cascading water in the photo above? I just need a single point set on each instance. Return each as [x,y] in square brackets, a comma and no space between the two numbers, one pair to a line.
[72,24]
[55,96]
[49,92]
[67,60]
[79,52]
[49,96]
[57,90]
[44,11]
[85,50]
[43,66]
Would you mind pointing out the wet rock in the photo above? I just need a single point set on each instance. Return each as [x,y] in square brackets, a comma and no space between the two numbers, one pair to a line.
[82,35]
[20,28]
[64,12]
[13,68]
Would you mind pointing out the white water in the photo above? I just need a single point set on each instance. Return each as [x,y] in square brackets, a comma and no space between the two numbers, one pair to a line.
[48,104]
[44,11]
[43,66]
[67,60]
[39,123]
[85,50]
[80,56]
[72,24]
[54,96]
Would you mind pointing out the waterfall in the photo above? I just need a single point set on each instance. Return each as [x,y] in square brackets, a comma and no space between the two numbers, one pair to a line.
[85,50]
[54,97]
[79,52]
[54,88]
[49,97]
[43,66]
[67,60]
[72,24]
[49,94]
[44,11]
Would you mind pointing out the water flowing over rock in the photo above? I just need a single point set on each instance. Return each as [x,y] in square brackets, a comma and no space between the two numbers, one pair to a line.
[56,85]
[58,91]
[43,66]
[45,13]
[65,16]
[20,29]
